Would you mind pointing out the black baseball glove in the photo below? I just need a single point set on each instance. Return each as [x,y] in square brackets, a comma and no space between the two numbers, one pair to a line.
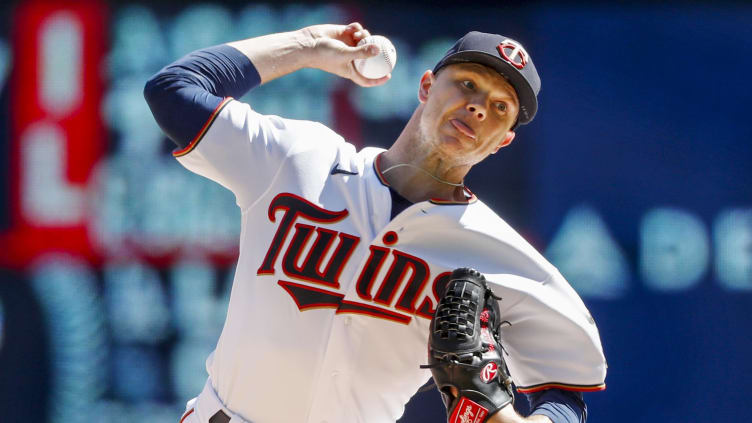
[464,351]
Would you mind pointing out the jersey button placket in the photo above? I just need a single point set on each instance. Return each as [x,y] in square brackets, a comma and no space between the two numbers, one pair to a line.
[329,391]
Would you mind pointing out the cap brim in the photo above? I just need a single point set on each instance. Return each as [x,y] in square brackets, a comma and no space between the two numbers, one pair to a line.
[525,94]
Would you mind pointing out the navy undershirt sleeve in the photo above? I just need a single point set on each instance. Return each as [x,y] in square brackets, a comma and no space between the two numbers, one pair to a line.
[184,94]
[559,405]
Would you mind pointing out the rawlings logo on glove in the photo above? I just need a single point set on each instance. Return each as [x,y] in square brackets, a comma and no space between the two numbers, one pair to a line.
[464,352]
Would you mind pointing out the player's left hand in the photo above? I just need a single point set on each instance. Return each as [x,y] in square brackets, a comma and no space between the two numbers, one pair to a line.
[465,354]
[336,46]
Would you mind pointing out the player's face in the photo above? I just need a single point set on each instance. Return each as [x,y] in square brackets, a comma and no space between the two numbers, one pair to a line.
[468,111]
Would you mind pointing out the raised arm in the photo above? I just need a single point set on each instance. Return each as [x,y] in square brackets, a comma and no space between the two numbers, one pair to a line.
[185,94]
[331,48]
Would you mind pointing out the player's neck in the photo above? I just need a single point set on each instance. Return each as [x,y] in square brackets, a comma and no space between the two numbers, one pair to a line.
[417,171]
[417,185]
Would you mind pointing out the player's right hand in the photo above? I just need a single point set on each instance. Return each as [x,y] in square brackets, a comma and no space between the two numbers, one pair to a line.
[335,47]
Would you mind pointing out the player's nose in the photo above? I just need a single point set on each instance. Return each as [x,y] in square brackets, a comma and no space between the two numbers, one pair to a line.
[477,110]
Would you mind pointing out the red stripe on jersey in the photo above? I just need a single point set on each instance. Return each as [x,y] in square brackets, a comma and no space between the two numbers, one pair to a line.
[562,386]
[187,414]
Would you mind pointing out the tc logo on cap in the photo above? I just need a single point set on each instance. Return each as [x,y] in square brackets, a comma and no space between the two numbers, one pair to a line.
[513,53]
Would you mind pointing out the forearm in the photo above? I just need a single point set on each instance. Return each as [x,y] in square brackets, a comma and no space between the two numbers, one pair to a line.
[509,415]
[276,55]
[537,419]
[558,406]
[331,48]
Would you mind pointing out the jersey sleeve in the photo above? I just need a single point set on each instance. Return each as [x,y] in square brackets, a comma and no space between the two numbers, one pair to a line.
[551,339]
[246,151]
[220,138]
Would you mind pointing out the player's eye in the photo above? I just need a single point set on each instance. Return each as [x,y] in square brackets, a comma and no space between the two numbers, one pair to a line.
[501,106]
[468,84]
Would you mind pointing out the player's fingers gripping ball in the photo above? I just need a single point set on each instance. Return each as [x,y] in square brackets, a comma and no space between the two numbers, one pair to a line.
[380,65]
[464,351]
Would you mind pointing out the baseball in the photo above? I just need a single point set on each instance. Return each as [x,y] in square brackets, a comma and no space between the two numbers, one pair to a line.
[380,65]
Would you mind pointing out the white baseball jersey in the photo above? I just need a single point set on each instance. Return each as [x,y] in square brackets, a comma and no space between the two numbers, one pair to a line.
[331,302]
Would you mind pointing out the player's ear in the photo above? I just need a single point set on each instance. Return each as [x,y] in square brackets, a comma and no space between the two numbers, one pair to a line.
[426,82]
[505,142]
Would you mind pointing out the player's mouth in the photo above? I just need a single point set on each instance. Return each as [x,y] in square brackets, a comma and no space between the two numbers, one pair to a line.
[463,128]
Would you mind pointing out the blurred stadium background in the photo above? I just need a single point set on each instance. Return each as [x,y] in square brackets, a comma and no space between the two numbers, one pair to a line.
[634,179]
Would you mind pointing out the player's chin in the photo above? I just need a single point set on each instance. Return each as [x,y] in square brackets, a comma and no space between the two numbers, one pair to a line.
[450,142]
[451,138]
[454,147]
[462,150]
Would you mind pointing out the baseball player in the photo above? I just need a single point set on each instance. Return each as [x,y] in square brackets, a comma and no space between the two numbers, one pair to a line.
[345,254]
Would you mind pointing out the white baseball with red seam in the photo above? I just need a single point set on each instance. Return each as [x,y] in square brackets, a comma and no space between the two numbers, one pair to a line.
[380,65]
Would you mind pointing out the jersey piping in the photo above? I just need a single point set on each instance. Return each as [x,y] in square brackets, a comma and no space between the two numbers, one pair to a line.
[188,413]
[563,386]
[194,142]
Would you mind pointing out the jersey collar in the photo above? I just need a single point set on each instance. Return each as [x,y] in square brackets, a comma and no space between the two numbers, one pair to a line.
[470,197]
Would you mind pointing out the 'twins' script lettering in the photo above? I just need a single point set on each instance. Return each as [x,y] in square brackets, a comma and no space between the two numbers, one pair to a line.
[298,207]
[407,273]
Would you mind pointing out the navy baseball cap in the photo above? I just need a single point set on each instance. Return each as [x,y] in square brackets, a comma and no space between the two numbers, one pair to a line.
[507,57]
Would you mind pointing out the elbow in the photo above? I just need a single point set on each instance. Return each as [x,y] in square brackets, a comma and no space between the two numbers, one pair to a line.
[158,97]
[151,90]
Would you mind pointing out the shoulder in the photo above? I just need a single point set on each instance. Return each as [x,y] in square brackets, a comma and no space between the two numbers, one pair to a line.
[240,113]
[239,119]
[481,218]
[509,249]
